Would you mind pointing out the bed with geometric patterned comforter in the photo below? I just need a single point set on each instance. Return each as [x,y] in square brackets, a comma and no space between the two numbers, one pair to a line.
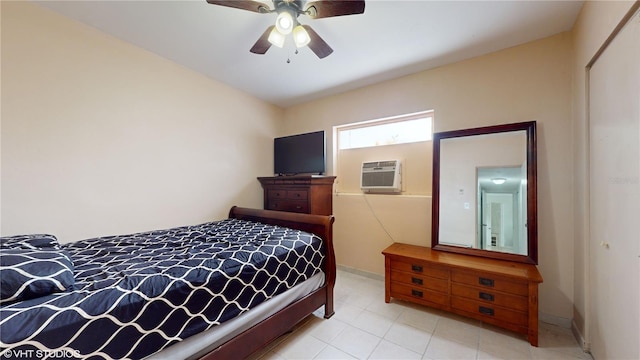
[134,295]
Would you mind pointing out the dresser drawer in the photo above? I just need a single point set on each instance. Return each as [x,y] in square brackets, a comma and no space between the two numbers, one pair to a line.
[420,281]
[411,293]
[297,194]
[482,311]
[289,205]
[277,194]
[488,281]
[421,268]
[490,297]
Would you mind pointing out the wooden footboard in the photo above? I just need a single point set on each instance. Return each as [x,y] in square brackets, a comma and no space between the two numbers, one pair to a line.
[271,328]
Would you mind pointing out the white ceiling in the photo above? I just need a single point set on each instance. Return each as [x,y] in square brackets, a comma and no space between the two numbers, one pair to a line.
[391,39]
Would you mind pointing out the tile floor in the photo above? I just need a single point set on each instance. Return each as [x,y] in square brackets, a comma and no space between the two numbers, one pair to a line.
[365,327]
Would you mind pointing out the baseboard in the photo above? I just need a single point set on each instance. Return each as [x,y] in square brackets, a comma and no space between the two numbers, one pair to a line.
[586,346]
[367,274]
[556,320]
[567,324]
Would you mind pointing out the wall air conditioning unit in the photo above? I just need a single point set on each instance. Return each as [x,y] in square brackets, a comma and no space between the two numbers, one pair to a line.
[381,176]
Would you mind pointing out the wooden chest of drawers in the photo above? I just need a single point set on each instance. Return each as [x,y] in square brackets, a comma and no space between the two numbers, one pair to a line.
[498,292]
[301,194]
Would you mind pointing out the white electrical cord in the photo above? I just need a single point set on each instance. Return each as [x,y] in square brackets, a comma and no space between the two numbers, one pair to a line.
[376,217]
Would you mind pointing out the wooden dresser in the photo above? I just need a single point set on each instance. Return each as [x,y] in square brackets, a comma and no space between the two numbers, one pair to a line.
[498,292]
[308,194]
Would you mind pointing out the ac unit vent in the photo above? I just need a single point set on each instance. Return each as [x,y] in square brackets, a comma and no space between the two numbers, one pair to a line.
[381,176]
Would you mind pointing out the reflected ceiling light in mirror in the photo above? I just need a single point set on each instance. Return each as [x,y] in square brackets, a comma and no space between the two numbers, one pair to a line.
[498,181]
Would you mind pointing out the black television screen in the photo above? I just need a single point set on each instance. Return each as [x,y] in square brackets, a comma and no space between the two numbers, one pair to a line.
[299,154]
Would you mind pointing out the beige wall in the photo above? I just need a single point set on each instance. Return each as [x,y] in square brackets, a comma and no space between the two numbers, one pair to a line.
[101,137]
[595,23]
[527,82]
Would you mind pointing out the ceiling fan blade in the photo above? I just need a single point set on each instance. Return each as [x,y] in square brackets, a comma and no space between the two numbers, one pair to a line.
[317,45]
[329,8]
[262,45]
[255,6]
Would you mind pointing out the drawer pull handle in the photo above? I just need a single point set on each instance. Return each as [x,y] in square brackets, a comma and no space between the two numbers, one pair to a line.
[485,310]
[416,293]
[486,282]
[485,296]
[416,268]
[416,281]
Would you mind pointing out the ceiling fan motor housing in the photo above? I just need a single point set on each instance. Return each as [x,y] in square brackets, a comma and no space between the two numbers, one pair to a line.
[293,5]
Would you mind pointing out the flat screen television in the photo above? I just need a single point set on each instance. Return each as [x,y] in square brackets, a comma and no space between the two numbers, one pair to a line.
[299,154]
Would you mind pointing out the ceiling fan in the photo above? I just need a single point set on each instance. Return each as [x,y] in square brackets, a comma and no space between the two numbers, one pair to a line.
[287,21]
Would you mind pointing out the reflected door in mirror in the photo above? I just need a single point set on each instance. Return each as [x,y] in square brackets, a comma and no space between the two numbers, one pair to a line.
[502,209]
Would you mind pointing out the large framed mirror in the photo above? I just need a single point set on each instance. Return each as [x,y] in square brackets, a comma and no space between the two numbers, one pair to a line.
[485,192]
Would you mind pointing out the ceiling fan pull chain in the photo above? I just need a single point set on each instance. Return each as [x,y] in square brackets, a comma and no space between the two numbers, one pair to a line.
[289,56]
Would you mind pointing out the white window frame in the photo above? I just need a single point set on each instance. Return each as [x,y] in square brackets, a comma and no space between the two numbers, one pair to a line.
[383,121]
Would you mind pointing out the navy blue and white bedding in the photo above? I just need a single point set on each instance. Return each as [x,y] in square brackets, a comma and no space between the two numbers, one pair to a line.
[134,295]
[29,242]
[27,274]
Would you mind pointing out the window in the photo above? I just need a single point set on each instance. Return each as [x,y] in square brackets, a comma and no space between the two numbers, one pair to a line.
[395,130]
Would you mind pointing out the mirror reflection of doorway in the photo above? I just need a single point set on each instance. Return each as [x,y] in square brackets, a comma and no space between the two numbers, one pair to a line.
[497,221]
[501,209]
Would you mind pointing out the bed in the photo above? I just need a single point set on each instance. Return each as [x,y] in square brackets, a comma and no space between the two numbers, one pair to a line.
[219,290]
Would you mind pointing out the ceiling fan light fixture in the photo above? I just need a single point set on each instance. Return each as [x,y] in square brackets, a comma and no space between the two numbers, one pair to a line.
[284,22]
[287,13]
[276,38]
[301,36]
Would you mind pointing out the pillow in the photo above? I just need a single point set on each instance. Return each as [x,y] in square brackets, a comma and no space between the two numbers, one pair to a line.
[34,241]
[27,274]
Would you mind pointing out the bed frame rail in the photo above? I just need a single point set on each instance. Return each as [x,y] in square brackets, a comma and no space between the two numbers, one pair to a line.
[279,323]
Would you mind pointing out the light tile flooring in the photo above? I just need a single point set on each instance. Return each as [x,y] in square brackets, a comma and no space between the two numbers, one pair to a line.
[365,327]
